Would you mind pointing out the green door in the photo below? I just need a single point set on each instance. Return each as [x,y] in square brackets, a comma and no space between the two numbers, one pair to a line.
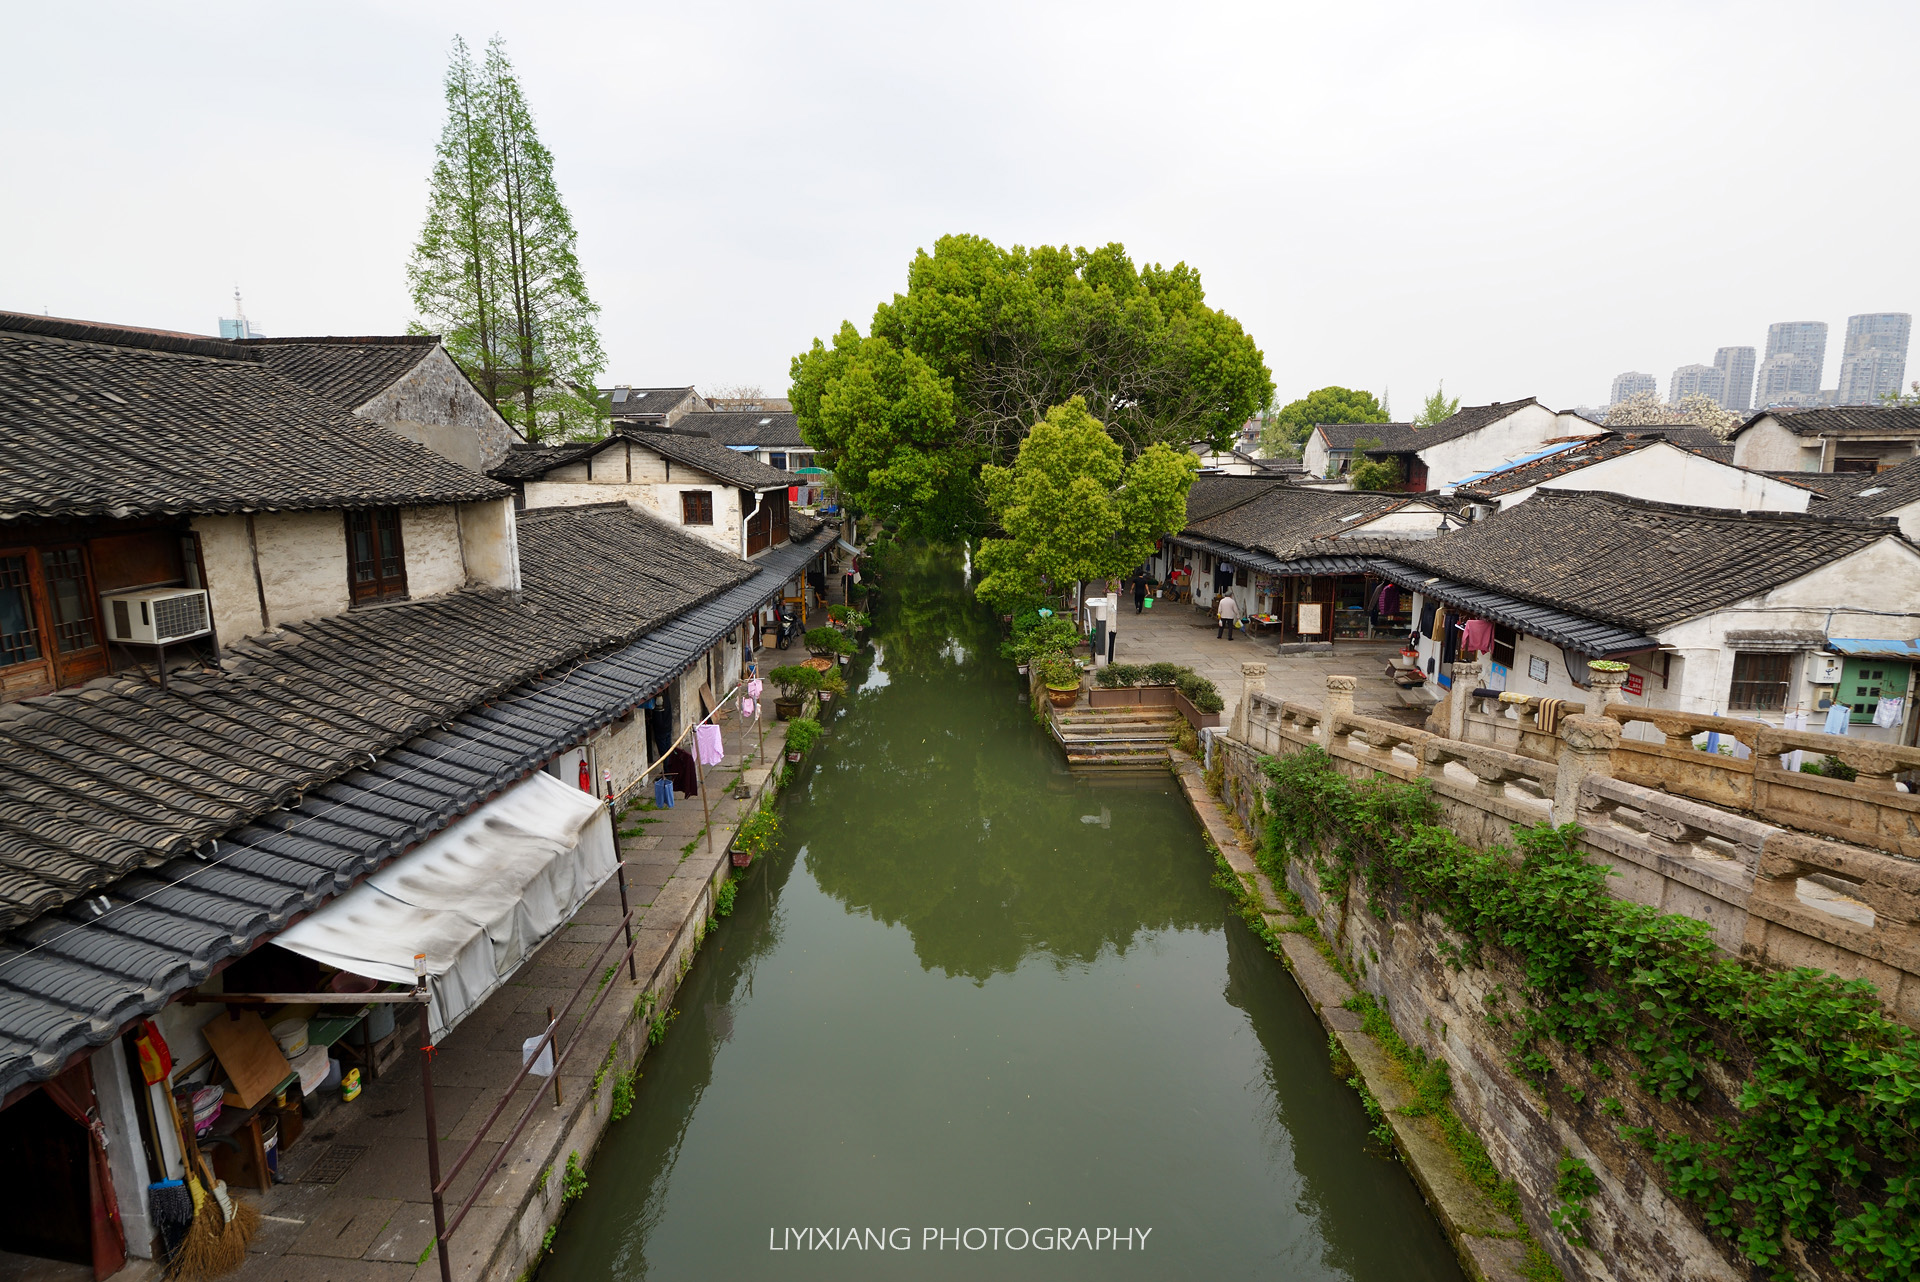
[1864,681]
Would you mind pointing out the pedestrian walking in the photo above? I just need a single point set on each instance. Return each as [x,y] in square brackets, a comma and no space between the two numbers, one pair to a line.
[1228,615]
[1139,591]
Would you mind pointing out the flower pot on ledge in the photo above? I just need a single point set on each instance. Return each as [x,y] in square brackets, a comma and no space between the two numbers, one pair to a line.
[741,858]
[787,709]
[1063,696]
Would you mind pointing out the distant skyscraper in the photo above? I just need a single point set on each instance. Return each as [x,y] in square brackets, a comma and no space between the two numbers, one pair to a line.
[1631,384]
[1796,357]
[1875,358]
[1737,364]
[1698,380]
[237,325]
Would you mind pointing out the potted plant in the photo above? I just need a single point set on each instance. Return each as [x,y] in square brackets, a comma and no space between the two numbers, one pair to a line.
[802,733]
[796,682]
[828,642]
[831,683]
[755,835]
[1061,676]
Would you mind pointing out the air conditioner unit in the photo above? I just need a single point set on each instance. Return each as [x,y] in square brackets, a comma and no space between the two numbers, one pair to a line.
[1823,669]
[156,616]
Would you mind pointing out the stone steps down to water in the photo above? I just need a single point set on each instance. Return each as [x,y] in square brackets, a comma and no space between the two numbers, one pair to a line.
[1114,737]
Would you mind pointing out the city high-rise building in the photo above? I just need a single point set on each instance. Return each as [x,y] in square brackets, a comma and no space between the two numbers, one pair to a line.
[1631,384]
[1698,380]
[1796,357]
[237,325]
[1874,361]
[1737,364]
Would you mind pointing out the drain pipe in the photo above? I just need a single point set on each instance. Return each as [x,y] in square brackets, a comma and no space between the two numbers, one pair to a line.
[759,501]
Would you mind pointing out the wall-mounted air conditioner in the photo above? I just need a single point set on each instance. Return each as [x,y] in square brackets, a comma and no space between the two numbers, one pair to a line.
[156,616]
[1823,669]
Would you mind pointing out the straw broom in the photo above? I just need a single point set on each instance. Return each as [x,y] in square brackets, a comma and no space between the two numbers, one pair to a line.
[216,1243]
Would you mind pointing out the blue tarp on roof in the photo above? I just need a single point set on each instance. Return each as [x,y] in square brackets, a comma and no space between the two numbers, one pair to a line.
[1522,461]
[1861,647]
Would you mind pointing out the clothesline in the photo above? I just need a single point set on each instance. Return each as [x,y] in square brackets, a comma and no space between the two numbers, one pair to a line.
[669,750]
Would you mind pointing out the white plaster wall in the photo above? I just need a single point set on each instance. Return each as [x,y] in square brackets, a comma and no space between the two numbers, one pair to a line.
[1520,432]
[490,535]
[1909,518]
[1413,519]
[1668,475]
[230,587]
[119,1112]
[303,564]
[1767,446]
[435,405]
[1313,456]
[435,561]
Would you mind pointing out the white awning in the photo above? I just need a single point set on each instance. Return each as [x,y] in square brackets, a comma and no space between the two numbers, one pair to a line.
[478,899]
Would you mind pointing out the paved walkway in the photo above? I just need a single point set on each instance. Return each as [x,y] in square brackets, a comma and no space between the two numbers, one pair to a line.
[1174,632]
[356,1206]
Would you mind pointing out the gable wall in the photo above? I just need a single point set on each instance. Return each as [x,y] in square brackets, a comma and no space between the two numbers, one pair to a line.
[1668,475]
[435,405]
[1769,447]
[1520,432]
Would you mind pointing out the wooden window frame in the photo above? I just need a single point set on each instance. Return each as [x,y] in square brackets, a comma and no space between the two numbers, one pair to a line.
[382,582]
[696,507]
[1767,685]
[61,666]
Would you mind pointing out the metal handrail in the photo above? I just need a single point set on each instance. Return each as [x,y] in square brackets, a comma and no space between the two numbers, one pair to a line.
[444,1230]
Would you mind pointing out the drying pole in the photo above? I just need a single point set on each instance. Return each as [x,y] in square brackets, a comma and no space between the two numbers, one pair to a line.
[433,1125]
[550,1051]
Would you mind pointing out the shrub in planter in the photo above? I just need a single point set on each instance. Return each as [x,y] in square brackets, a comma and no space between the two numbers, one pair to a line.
[1162,674]
[795,679]
[756,834]
[1120,675]
[802,733]
[1200,692]
[829,641]
[1043,636]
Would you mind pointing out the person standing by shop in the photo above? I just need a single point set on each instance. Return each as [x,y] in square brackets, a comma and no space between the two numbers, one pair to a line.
[1227,612]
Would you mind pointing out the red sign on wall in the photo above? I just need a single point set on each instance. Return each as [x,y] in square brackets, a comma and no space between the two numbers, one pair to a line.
[1634,684]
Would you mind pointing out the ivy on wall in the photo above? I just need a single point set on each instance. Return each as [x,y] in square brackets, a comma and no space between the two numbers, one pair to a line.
[1821,1141]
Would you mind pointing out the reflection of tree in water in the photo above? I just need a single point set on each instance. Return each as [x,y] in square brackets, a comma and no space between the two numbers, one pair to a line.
[938,805]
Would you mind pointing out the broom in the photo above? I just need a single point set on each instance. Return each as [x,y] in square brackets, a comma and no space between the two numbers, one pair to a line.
[216,1242]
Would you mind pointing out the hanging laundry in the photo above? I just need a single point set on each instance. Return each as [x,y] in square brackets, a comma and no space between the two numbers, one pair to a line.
[1888,713]
[1427,612]
[685,775]
[1551,711]
[748,708]
[663,793]
[1478,635]
[707,745]
[1837,717]
[753,688]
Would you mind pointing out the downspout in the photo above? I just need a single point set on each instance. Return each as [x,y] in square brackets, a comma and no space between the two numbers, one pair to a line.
[759,501]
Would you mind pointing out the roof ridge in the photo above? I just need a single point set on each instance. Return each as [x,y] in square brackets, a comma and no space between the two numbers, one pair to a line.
[340,340]
[102,335]
[1560,494]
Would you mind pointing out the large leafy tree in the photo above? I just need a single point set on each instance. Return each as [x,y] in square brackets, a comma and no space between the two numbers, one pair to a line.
[884,422]
[1645,409]
[1013,333]
[1437,407]
[1287,427]
[1072,507]
[495,269]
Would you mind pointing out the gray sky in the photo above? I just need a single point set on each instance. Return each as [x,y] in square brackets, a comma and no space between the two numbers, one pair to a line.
[1523,199]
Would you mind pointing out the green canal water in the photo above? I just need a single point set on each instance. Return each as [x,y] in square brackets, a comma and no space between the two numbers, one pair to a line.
[972,992]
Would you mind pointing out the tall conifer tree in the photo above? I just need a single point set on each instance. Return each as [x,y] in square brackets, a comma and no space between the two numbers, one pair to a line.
[495,268]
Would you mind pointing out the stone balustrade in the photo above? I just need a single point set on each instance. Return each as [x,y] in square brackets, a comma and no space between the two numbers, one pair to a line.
[1778,896]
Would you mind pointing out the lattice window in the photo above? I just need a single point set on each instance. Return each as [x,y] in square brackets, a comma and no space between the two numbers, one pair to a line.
[376,560]
[19,633]
[696,507]
[71,602]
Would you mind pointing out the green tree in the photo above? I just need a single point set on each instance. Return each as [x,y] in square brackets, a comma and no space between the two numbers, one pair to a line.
[1437,407]
[495,269]
[1373,474]
[884,421]
[1289,426]
[1073,508]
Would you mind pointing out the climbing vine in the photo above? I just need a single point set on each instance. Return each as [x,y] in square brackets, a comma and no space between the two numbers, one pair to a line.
[1820,1141]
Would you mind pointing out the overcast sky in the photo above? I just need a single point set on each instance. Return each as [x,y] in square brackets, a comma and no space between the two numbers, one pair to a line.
[1522,199]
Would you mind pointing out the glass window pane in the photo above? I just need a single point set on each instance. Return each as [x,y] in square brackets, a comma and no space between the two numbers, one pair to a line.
[67,589]
[19,635]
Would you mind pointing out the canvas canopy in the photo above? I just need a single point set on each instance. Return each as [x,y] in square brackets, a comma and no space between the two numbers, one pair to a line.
[478,899]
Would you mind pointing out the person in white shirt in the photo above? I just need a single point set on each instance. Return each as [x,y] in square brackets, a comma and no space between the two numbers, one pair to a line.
[1227,613]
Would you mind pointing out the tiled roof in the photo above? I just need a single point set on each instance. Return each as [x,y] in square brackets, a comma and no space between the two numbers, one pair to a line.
[1698,439]
[745,427]
[1636,563]
[530,462]
[709,455]
[1559,460]
[116,776]
[1845,420]
[1341,436]
[97,429]
[1874,493]
[624,401]
[1285,520]
[167,928]
[1214,493]
[1831,484]
[348,371]
[1465,422]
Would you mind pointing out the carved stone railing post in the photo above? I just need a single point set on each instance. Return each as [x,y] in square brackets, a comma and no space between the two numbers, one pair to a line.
[1339,710]
[1467,676]
[1586,749]
[1253,681]
[1603,687]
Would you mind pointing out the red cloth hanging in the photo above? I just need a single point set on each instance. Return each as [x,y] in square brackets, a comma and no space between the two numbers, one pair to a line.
[586,776]
[72,1091]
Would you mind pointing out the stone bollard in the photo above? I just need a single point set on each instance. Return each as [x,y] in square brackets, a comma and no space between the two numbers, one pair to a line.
[1339,709]
[1467,676]
[1603,687]
[1586,748]
[1253,680]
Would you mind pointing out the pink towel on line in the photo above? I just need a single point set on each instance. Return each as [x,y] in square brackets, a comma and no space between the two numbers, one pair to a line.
[708,750]
[753,688]
[1478,634]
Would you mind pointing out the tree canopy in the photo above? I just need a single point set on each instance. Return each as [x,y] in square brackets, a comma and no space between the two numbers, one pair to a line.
[1073,508]
[1646,409]
[1289,426]
[495,270]
[1437,407]
[1012,334]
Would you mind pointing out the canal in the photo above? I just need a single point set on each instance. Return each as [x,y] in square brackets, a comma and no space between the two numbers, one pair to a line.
[971,991]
